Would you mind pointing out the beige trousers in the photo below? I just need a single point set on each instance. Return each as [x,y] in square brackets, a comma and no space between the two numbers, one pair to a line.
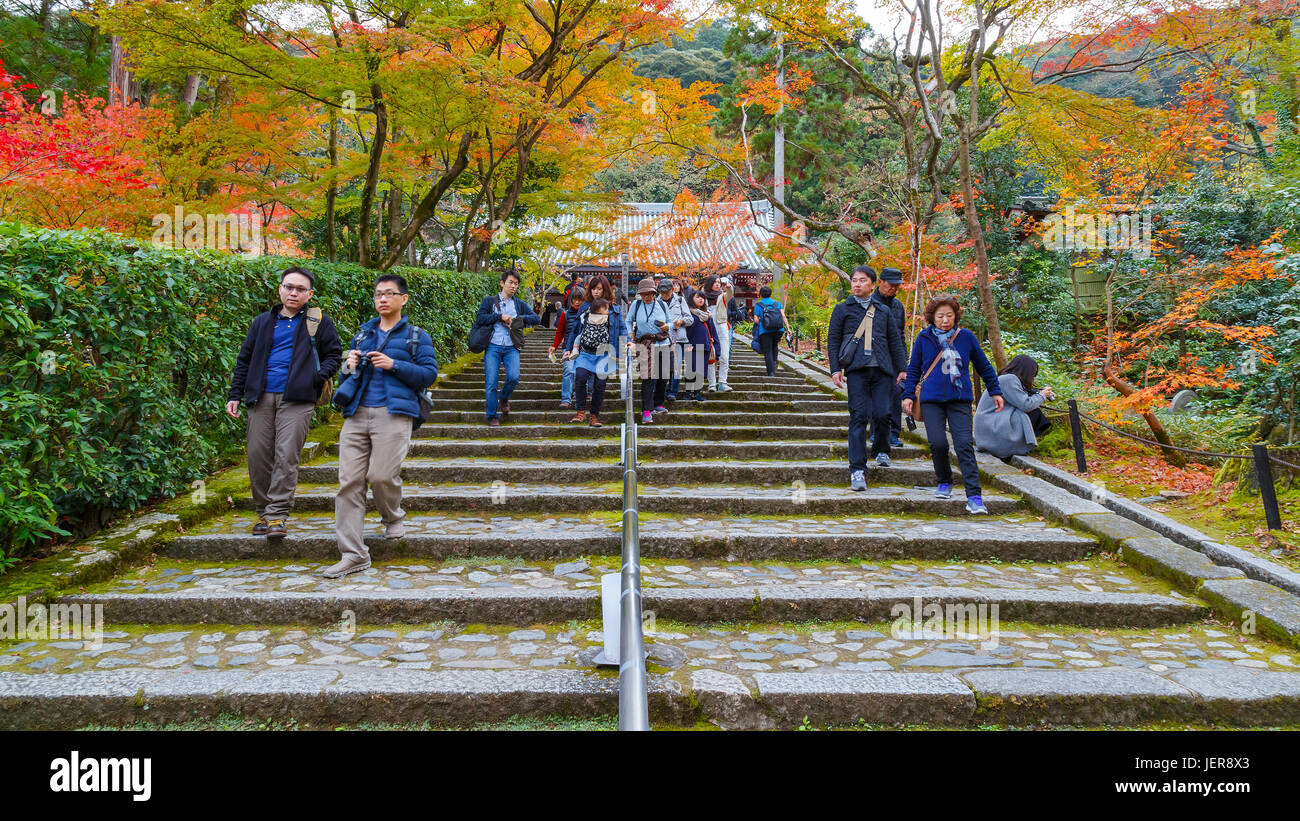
[372,444]
[276,431]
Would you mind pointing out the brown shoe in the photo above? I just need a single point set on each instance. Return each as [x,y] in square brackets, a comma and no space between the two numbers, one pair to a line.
[594,421]
[261,527]
[580,416]
[505,408]
[494,422]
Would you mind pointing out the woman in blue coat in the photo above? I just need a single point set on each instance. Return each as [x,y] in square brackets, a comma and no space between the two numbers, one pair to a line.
[941,360]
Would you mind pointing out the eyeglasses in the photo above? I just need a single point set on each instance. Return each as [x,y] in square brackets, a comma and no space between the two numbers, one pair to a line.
[295,289]
[389,294]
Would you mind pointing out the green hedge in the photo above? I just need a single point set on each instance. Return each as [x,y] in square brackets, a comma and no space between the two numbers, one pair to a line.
[118,357]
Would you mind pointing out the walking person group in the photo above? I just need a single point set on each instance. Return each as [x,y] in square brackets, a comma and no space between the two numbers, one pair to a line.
[292,351]
[280,373]
[867,352]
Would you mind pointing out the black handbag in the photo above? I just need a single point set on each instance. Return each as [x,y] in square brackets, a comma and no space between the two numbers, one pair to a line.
[850,350]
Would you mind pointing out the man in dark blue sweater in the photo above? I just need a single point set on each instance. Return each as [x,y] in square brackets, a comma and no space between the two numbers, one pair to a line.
[279,374]
[870,362]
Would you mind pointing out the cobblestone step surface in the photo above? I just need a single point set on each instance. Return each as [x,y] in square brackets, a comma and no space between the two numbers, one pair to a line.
[735,538]
[516,602]
[751,675]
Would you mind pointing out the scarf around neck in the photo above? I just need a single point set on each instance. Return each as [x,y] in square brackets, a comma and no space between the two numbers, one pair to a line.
[952,363]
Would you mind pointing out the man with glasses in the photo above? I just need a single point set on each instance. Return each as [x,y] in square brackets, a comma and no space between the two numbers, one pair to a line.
[282,367]
[508,315]
[390,363]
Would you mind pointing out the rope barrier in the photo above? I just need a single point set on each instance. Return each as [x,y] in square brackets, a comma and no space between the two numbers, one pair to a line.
[1161,445]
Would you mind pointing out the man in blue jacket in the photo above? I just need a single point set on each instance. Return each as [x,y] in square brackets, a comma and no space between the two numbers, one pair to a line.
[509,315]
[281,369]
[871,366]
[391,361]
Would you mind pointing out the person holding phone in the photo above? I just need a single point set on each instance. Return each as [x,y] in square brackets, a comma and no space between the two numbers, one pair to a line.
[1016,430]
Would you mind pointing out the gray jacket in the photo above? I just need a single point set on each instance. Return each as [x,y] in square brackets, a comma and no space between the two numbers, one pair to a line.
[677,310]
[1008,432]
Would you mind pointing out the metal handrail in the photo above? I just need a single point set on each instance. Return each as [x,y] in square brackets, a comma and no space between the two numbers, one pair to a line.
[633,710]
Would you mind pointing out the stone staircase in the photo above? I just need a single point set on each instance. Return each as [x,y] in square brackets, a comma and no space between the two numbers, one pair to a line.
[772,592]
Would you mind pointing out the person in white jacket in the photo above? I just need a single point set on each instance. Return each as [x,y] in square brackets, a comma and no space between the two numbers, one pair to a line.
[720,292]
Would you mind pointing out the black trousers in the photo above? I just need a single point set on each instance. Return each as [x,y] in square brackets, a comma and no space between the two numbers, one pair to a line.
[768,343]
[896,419]
[869,397]
[1040,422]
[580,390]
[955,417]
[653,365]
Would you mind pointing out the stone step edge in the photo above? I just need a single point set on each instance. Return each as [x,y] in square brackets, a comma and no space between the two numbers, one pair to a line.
[692,605]
[1253,566]
[323,696]
[1268,608]
[731,547]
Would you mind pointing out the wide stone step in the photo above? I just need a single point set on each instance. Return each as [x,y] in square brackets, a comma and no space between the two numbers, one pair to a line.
[444,537]
[523,604]
[647,451]
[553,395]
[693,414]
[612,419]
[526,497]
[717,405]
[757,675]
[553,381]
[487,471]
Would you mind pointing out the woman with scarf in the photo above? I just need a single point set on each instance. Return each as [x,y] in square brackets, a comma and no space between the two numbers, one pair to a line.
[702,341]
[595,346]
[940,368]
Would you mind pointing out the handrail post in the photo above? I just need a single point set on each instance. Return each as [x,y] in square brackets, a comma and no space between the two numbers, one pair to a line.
[1076,433]
[1267,495]
[633,709]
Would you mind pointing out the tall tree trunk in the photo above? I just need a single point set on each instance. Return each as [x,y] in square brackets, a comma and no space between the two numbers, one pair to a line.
[424,210]
[121,90]
[43,16]
[976,231]
[364,250]
[191,91]
[331,194]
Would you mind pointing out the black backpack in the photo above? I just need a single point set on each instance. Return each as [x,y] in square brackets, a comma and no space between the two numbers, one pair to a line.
[771,318]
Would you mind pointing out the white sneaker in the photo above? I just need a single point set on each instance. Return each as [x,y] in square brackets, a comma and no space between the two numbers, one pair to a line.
[857,480]
[882,460]
[345,568]
[395,530]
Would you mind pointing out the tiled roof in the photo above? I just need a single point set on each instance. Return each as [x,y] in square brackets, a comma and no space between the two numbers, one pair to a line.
[657,233]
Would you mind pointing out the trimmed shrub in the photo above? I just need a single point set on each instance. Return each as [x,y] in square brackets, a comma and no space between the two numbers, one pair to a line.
[118,357]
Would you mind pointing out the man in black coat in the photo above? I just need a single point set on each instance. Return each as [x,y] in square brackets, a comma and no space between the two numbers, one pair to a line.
[870,369]
[281,369]
[889,290]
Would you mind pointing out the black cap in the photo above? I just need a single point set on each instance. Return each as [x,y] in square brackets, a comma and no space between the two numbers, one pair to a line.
[891,275]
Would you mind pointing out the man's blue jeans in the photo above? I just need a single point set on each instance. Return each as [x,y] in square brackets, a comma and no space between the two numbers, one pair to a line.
[492,359]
